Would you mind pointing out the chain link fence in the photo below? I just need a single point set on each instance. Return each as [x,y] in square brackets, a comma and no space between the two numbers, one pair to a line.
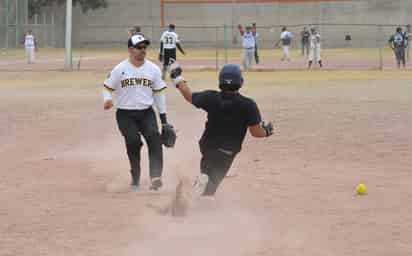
[333,35]
[15,21]
[344,46]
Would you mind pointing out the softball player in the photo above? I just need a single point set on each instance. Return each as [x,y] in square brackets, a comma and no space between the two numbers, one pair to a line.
[305,44]
[255,33]
[168,43]
[229,116]
[398,42]
[134,30]
[30,46]
[286,39]
[136,84]
[248,44]
[314,49]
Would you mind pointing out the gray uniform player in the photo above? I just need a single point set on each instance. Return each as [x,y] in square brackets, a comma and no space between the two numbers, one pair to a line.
[398,42]
[248,45]
[286,39]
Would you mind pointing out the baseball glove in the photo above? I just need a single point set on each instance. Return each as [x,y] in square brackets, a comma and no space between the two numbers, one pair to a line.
[160,57]
[168,135]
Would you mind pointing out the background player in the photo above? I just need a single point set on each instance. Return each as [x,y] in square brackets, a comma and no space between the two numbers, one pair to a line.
[229,116]
[286,39]
[398,42]
[314,49]
[248,45]
[305,34]
[137,85]
[30,46]
[256,35]
[134,30]
[168,43]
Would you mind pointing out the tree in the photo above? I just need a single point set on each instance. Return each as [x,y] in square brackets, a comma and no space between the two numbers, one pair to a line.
[35,6]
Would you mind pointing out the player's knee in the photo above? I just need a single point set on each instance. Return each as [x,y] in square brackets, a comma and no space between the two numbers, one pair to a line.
[133,140]
[153,137]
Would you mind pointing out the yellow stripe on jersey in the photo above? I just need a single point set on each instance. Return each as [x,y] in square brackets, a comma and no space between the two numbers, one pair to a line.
[159,90]
[108,88]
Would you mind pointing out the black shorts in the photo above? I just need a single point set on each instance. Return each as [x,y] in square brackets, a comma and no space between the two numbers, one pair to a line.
[169,54]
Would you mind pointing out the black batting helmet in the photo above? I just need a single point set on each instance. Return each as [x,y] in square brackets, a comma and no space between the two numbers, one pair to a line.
[230,78]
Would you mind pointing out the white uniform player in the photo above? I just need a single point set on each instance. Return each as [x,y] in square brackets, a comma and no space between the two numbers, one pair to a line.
[137,85]
[30,47]
[314,47]
[286,39]
[169,41]
[125,78]
[248,45]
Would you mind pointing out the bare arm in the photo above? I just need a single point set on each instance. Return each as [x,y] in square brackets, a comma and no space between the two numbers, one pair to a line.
[184,89]
[261,130]
[240,28]
[180,48]
[107,98]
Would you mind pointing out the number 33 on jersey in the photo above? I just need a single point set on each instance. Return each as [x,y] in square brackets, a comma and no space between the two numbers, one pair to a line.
[169,39]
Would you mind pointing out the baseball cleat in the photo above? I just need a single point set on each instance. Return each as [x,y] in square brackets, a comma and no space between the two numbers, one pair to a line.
[134,188]
[200,185]
[156,184]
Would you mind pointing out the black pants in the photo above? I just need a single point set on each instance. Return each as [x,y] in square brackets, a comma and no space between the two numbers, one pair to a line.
[305,48]
[169,56]
[132,124]
[215,163]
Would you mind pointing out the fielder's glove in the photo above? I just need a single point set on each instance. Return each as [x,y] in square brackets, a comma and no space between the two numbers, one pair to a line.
[268,127]
[168,135]
[160,57]
[176,73]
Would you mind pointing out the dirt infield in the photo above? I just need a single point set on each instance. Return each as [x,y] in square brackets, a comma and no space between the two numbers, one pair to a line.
[64,174]
[201,60]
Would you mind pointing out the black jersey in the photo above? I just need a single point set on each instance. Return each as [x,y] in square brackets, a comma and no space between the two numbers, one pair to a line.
[229,116]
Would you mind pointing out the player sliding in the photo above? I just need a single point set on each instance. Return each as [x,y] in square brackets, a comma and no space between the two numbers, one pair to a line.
[229,116]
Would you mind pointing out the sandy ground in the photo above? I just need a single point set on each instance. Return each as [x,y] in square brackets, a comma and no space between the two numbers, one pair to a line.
[64,174]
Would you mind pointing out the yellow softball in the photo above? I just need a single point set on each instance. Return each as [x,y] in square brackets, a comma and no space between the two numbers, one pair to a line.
[361,189]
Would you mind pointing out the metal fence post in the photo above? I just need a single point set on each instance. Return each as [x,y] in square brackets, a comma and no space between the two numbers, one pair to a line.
[380,48]
[6,45]
[225,41]
[217,47]
[17,24]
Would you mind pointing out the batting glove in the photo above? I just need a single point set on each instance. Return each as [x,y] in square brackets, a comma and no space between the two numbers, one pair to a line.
[176,75]
[268,127]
